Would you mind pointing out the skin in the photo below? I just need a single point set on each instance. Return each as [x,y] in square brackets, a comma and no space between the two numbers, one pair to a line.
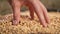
[34,6]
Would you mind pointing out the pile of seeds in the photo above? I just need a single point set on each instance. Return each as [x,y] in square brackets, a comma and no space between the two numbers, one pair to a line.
[28,26]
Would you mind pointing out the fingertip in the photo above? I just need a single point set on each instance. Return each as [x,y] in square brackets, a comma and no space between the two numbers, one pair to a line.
[48,21]
[44,25]
[15,22]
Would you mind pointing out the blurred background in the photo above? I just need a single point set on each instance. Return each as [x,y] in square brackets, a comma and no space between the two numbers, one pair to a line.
[51,5]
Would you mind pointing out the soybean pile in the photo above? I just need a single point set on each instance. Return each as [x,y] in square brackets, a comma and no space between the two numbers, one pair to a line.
[28,26]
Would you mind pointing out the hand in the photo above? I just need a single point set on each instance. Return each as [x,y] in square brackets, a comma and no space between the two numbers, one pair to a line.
[34,6]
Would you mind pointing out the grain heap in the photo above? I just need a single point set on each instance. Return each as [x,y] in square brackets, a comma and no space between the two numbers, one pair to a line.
[28,26]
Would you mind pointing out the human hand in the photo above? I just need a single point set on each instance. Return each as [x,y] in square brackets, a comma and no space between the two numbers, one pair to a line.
[34,6]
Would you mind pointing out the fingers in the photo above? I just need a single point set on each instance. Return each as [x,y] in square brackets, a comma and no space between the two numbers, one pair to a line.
[39,13]
[44,11]
[31,10]
[16,5]
[34,6]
